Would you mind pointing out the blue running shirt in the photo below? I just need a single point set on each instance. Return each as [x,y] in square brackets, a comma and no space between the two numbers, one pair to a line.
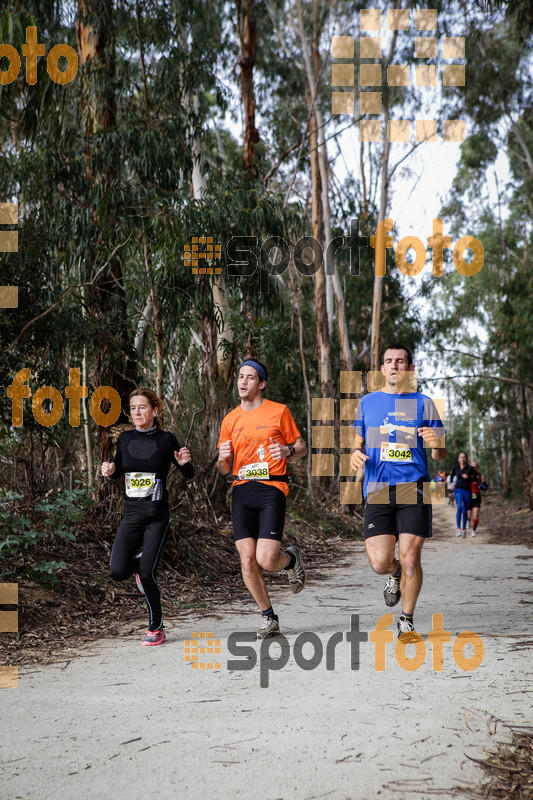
[388,424]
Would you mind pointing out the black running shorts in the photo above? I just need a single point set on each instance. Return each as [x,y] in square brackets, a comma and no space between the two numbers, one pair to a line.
[258,511]
[475,502]
[398,518]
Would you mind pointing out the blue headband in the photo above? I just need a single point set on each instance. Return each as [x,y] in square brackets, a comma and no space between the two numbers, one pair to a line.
[261,371]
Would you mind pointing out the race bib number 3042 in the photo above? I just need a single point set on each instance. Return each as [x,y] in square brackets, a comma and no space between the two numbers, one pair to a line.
[254,472]
[397,453]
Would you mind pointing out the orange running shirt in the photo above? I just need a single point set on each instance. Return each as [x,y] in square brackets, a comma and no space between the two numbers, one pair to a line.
[250,433]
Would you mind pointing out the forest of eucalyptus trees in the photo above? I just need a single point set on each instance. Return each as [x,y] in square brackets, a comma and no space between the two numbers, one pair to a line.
[213,119]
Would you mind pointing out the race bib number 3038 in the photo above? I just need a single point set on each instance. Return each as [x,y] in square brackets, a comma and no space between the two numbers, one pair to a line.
[254,472]
[398,453]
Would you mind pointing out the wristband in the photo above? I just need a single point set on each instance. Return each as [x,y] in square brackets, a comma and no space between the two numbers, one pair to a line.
[291,451]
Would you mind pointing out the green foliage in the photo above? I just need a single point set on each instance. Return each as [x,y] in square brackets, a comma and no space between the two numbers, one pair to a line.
[64,509]
[28,528]
[46,571]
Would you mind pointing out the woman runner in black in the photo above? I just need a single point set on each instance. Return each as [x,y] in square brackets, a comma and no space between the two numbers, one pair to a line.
[144,456]
[463,474]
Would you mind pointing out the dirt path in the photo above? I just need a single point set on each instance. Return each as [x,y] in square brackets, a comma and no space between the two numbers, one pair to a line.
[117,720]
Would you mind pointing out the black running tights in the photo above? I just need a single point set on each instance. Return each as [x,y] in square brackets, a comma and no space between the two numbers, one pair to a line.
[145,525]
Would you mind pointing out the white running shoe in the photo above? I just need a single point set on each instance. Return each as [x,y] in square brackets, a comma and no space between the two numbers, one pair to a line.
[458,532]
[405,626]
[473,534]
[269,627]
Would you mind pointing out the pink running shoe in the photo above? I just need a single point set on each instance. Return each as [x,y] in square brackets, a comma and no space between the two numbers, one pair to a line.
[153,637]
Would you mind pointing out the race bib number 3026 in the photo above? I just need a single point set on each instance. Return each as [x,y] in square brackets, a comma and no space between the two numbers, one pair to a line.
[140,484]
[254,472]
[398,453]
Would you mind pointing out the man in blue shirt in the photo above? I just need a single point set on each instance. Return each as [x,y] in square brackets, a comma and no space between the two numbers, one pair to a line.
[393,427]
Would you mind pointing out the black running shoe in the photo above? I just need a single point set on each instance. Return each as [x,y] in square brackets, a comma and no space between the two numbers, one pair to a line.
[392,592]
[297,575]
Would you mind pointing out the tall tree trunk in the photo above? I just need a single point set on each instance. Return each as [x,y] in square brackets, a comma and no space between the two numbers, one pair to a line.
[295,300]
[96,43]
[143,326]
[107,301]
[324,173]
[86,427]
[247,33]
[218,337]
[84,410]
[525,442]
[216,340]
[363,181]
[313,69]
[157,318]
[505,465]
[375,343]
[319,278]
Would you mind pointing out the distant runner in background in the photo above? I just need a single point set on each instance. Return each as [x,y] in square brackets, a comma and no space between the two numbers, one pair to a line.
[478,484]
[450,487]
[260,435]
[463,474]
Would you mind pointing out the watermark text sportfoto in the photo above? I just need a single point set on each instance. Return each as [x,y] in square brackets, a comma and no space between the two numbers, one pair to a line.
[245,252]
[274,654]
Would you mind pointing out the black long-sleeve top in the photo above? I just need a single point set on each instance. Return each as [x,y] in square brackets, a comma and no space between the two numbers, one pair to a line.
[149,451]
[463,483]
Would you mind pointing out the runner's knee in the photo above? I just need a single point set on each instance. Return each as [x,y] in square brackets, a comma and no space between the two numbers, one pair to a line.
[248,563]
[410,562]
[119,574]
[379,564]
[268,561]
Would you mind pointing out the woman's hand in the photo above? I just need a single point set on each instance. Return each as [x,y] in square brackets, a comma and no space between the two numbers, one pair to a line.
[182,456]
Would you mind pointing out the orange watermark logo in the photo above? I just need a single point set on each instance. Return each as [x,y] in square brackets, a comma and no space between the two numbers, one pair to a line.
[33,50]
[381,636]
[9,623]
[371,76]
[50,396]
[202,643]
[9,243]
[193,255]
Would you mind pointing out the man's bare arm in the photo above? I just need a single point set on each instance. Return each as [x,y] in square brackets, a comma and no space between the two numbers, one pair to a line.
[279,451]
[358,457]
[431,439]
[224,456]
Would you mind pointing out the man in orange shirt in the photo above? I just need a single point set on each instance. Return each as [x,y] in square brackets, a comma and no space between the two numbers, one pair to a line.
[261,435]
